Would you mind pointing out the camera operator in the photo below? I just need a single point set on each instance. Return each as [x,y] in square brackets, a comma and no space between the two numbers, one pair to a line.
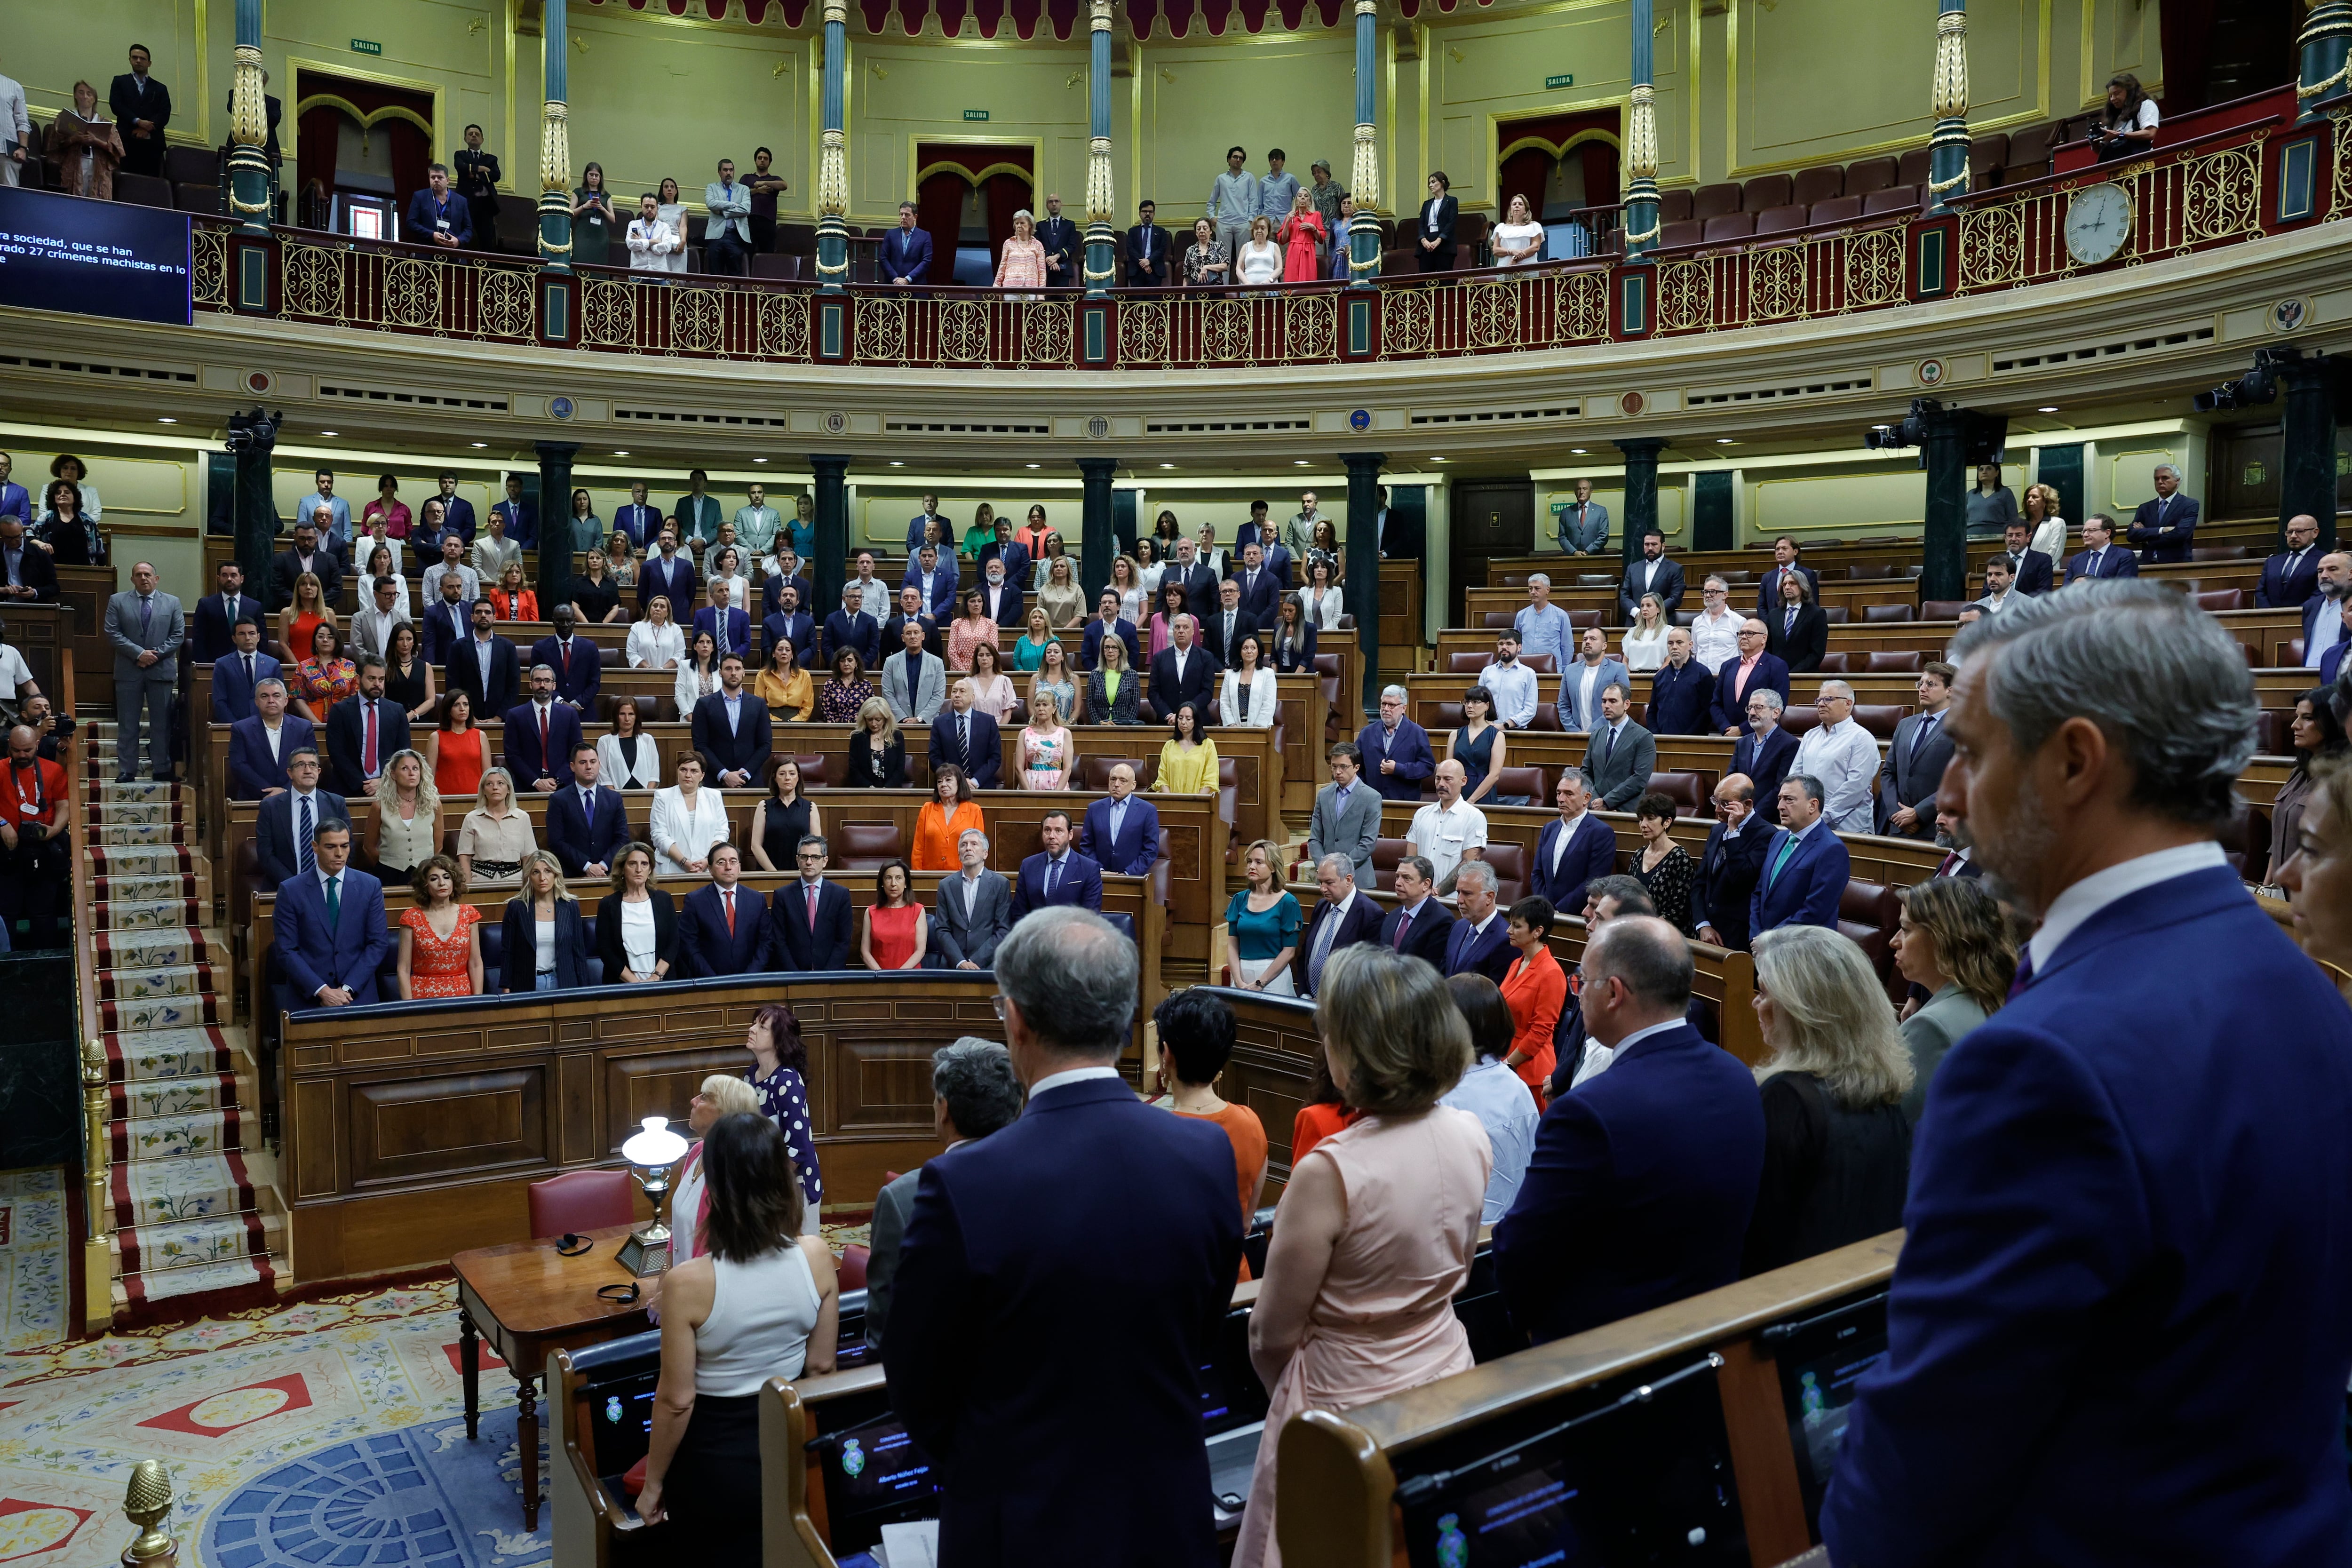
[54,729]
[33,857]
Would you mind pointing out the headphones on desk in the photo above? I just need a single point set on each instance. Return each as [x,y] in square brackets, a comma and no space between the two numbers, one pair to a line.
[624,1294]
[574,1245]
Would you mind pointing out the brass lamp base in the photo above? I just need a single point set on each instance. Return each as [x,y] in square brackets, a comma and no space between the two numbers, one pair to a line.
[647,1251]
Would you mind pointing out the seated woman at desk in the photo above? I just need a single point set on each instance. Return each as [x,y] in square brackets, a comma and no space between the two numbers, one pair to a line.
[762,1302]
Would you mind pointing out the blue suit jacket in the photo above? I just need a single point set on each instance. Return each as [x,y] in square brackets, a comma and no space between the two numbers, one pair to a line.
[1771,671]
[458,513]
[232,695]
[347,737]
[2169,538]
[1090,645]
[523,758]
[1258,603]
[986,762]
[864,633]
[2122,1320]
[1011,551]
[1408,747]
[312,954]
[1011,608]
[2279,590]
[522,521]
[2119,561]
[938,590]
[426,216]
[1765,768]
[739,628]
[1107,1233]
[577,841]
[440,634]
[771,590]
[704,944]
[1682,699]
[1467,951]
[1136,848]
[1592,853]
[2331,662]
[251,769]
[208,623]
[643,524]
[905,254]
[1081,884]
[1639,1190]
[1807,891]
[275,830]
[1583,720]
[673,579]
[829,946]
[580,681]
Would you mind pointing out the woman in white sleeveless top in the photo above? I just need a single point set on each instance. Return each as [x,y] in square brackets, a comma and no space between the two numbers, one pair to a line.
[757,1301]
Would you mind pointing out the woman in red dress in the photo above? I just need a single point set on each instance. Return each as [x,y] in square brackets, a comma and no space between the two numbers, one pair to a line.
[440,939]
[1535,989]
[894,933]
[455,747]
[1303,237]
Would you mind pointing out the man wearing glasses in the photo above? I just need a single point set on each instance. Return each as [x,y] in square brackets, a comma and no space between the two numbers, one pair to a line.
[1714,630]
[1843,756]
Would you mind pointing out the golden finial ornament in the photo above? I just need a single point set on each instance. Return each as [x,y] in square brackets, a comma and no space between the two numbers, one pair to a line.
[147,1502]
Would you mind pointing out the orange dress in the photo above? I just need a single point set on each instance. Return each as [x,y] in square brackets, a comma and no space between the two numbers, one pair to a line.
[1313,1125]
[1535,993]
[524,606]
[1240,1124]
[458,763]
[440,967]
[936,833]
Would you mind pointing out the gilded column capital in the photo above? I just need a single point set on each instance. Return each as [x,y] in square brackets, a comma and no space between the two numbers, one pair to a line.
[1368,7]
[1099,15]
[836,11]
[1641,141]
[1951,90]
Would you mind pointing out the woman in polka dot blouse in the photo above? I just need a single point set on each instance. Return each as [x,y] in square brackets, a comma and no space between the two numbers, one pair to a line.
[779,1058]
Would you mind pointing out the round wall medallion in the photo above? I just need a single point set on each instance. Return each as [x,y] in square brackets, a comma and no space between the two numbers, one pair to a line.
[259,380]
[1098,428]
[1931,373]
[1360,420]
[1633,402]
[836,422]
[560,408]
[2289,315]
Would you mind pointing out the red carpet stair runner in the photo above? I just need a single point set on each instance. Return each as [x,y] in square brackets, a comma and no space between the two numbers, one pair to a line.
[195,1206]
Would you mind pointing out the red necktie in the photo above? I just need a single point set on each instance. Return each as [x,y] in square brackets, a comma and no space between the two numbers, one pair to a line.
[727,897]
[812,906]
[1404,923]
[542,735]
[367,752]
[563,655]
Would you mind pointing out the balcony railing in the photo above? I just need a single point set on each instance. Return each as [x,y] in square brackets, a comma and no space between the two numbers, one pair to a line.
[2217,190]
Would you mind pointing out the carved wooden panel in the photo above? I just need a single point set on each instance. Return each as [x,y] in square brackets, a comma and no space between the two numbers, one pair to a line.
[1273,1067]
[311,1107]
[658,1084]
[878,1071]
[412,1128]
[575,1107]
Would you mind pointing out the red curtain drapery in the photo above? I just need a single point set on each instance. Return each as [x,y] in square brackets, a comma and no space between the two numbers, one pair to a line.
[315,136]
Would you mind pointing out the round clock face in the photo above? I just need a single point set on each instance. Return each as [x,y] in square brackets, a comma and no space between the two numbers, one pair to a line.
[2098,222]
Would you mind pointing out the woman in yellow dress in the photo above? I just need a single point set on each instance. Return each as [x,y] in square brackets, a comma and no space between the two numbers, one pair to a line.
[1188,758]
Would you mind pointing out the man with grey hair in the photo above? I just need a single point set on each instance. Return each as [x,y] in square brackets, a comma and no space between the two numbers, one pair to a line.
[145,628]
[1419,925]
[1644,1177]
[1339,919]
[973,910]
[1543,627]
[1395,750]
[1844,757]
[1061,1280]
[1480,941]
[2123,1310]
[1583,523]
[2323,613]
[1714,630]
[2164,528]
[974,1092]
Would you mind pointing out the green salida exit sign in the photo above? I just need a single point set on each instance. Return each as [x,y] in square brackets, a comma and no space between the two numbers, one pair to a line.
[1552,81]
[366,46]
[976,114]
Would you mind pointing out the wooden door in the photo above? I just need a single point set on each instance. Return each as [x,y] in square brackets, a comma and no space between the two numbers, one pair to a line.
[1486,518]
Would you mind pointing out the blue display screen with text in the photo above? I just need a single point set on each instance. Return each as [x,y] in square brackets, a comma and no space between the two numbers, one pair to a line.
[93,258]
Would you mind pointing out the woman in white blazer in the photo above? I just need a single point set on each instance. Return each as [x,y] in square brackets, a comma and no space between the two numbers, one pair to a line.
[1246,696]
[688,822]
[1321,599]
[628,758]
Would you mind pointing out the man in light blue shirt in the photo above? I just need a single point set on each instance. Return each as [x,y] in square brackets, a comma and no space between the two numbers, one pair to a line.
[1512,684]
[1493,1093]
[1232,201]
[727,242]
[1277,191]
[339,538]
[1543,627]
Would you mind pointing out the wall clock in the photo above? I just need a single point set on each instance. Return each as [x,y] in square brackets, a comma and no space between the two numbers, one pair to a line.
[2098,222]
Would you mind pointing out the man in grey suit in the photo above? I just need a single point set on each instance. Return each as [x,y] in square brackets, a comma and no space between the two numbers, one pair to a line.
[1620,756]
[1913,764]
[1584,526]
[915,683]
[1347,816]
[145,628]
[974,1091]
[973,911]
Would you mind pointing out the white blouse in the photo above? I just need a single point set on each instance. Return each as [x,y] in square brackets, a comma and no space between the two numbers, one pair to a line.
[2050,537]
[1325,613]
[691,688]
[1260,712]
[650,647]
[1514,234]
[1150,577]
[614,766]
[637,937]
[1645,652]
[1131,601]
[673,215]
[691,830]
[546,944]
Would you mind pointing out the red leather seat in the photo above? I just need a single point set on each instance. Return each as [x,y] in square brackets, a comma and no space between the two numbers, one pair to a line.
[1687,789]
[1674,205]
[1869,174]
[850,1275]
[1879,718]
[1941,609]
[866,846]
[1714,201]
[1509,860]
[1095,771]
[1835,663]
[1689,232]
[1915,167]
[1728,226]
[1836,209]
[2222,599]
[2219,552]
[1887,661]
[816,773]
[1386,853]
[1780,220]
[1888,613]
[1894,199]
[1815,185]
[1765,192]
[581,1200]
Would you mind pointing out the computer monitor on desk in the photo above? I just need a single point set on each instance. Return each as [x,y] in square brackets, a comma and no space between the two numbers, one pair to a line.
[1821,1358]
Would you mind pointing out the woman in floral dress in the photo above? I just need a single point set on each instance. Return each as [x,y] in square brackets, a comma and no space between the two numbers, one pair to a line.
[440,939]
[1047,756]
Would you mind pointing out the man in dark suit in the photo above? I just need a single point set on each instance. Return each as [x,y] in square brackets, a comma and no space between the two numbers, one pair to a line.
[1197,578]
[640,519]
[520,516]
[1682,692]
[1001,598]
[1060,237]
[731,731]
[1121,832]
[810,919]
[485,667]
[1344,916]
[447,620]
[578,664]
[1434,231]
[974,1092]
[696,516]
[787,574]
[1222,632]
[286,823]
[1480,943]
[1108,621]
[1573,848]
[2165,527]
[437,215]
[906,250]
[2292,576]
[1785,551]
[1740,677]
[331,933]
[587,825]
[848,627]
[1260,589]
[1007,549]
[1619,755]
[1057,874]
[2323,613]
[366,730]
[236,672]
[540,735]
[2101,555]
[934,574]
[1956,861]
[1150,263]
[910,608]
[1183,672]
[1915,759]
[1418,925]
[458,514]
[210,635]
[2122,1313]
[141,108]
[973,910]
[308,554]
[1652,573]
[1764,752]
[722,928]
[670,574]
[1094,1227]
[27,574]
[2034,572]
[1397,757]
[259,744]
[1729,866]
[1806,864]
[963,735]
[729,626]
[1644,1177]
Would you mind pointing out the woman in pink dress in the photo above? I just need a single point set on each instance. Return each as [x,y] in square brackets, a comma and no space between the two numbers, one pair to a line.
[1047,757]
[1022,265]
[1376,1229]
[894,927]
[1302,239]
[440,939]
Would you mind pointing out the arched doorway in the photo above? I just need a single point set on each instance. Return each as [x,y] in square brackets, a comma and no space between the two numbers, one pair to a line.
[1566,165]
[965,196]
[355,137]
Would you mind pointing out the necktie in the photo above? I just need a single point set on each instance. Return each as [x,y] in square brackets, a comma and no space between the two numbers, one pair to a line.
[1325,931]
[1787,848]
[1609,749]
[727,899]
[232,609]
[1404,923]
[1920,736]
[1951,862]
[146,617]
[367,747]
[563,655]
[2097,557]
[2024,973]
[302,840]
[588,807]
[1788,622]
[963,740]
[248,674]
[1229,629]
[1052,878]
[542,734]
[812,906]
[334,902]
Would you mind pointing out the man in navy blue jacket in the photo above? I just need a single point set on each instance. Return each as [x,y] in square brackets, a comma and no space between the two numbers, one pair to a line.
[1805,864]
[810,922]
[2289,578]
[540,735]
[722,926]
[1122,833]
[847,627]
[330,932]
[2121,1324]
[2164,528]
[1562,869]
[1058,874]
[1682,692]
[236,672]
[1764,750]
[1643,1176]
[906,250]
[967,737]
[587,825]
[1108,622]
[578,664]
[1397,758]
[1061,1280]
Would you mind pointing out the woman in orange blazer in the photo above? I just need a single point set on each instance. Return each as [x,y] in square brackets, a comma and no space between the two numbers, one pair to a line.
[512,601]
[1535,989]
[944,819]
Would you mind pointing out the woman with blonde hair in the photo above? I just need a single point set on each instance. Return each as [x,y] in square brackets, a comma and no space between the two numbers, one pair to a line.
[1837,1150]
[85,146]
[1127,582]
[1054,679]
[1048,758]
[1112,686]
[1262,919]
[544,943]
[721,1094]
[512,598]
[405,830]
[1303,237]
[2039,513]
[496,838]
[1954,942]
[299,621]
[1645,642]
[1059,596]
[596,593]
[1377,1226]
[1022,264]
[878,754]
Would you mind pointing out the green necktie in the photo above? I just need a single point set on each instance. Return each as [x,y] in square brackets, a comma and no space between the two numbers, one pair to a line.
[1787,849]
[334,902]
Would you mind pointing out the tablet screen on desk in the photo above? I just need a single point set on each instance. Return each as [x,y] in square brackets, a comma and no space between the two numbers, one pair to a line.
[874,1475]
[1821,1360]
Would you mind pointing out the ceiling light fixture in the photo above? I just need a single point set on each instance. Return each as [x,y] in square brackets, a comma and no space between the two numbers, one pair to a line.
[2051,410]
[619,454]
[1166,464]
[167,421]
[897,464]
[481,444]
[1723,441]
[1036,465]
[759,459]
[330,432]
[1577,450]
[1298,463]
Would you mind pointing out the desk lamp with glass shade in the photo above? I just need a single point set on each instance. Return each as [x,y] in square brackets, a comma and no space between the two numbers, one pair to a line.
[652,1154]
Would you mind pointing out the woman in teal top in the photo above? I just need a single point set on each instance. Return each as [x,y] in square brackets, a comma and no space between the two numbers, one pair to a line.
[801,532]
[981,533]
[1054,679]
[1029,650]
[1262,921]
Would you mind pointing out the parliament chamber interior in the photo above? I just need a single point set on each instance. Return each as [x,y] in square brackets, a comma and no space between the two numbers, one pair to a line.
[1710,627]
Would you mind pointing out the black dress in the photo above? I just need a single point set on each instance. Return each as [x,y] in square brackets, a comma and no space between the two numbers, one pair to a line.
[595,600]
[1831,1176]
[785,827]
[1669,887]
[643,757]
[408,690]
[864,774]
